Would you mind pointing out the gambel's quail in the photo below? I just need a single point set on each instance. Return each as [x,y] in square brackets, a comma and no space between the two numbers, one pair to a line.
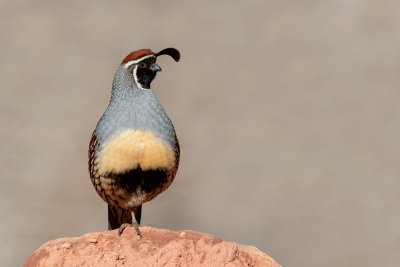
[134,151]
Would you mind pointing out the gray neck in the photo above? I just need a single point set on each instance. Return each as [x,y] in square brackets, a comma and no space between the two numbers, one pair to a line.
[131,107]
[122,83]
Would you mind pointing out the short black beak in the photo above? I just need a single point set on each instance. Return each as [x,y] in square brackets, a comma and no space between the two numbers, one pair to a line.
[155,67]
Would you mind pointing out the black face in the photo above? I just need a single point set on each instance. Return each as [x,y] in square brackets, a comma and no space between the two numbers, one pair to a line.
[145,75]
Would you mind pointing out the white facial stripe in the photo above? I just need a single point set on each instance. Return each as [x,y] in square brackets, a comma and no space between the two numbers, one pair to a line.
[132,62]
[136,78]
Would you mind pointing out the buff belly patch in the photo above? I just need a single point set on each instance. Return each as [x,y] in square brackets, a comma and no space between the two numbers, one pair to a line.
[132,149]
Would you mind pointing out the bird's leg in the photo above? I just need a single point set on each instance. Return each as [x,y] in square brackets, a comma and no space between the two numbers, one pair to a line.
[137,212]
[133,224]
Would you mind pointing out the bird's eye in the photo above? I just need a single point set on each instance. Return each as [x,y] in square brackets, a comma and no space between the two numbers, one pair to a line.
[142,65]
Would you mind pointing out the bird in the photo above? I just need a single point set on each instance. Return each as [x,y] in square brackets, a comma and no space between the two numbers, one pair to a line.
[134,151]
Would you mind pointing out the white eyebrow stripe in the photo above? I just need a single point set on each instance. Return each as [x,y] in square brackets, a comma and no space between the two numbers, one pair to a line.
[132,62]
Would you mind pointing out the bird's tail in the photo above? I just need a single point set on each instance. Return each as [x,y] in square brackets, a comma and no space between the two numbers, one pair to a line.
[118,216]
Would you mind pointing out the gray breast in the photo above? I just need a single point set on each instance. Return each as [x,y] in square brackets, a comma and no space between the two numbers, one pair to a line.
[135,108]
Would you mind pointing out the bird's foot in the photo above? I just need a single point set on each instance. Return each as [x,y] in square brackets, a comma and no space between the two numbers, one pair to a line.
[135,224]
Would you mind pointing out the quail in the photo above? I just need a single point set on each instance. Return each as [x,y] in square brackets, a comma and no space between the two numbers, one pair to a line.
[133,151]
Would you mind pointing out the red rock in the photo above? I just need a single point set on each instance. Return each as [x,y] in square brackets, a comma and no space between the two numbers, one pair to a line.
[156,248]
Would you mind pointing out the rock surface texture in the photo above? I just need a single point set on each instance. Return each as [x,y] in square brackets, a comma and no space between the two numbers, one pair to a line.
[156,248]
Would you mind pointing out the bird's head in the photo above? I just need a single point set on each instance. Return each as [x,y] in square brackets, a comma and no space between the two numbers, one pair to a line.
[141,64]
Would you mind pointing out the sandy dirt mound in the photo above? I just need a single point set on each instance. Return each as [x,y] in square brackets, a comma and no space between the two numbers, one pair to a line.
[157,248]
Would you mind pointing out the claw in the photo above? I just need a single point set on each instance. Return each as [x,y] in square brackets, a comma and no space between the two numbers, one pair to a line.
[123,226]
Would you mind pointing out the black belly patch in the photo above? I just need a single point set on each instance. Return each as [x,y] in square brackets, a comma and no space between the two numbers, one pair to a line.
[148,180]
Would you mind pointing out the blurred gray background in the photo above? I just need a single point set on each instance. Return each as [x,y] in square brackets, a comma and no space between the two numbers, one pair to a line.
[287,113]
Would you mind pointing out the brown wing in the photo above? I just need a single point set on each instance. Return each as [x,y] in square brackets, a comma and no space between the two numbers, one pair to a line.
[92,156]
[177,155]
[94,176]
[177,152]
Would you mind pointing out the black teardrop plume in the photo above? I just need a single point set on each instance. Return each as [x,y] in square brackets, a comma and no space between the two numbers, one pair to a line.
[172,52]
